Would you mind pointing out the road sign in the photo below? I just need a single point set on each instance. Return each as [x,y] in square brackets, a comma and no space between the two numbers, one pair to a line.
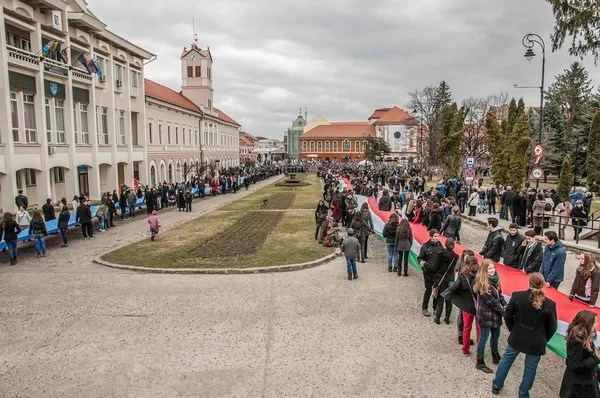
[470,163]
[538,151]
[537,173]
[470,173]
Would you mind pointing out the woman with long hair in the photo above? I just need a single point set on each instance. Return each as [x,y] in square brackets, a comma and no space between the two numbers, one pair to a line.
[368,228]
[10,230]
[490,310]
[63,224]
[320,216]
[444,265]
[464,281]
[531,319]
[418,210]
[580,379]
[389,233]
[37,228]
[408,212]
[587,280]
[403,244]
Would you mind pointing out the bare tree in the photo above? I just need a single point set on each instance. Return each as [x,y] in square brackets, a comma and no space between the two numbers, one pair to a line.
[425,103]
[474,140]
[499,104]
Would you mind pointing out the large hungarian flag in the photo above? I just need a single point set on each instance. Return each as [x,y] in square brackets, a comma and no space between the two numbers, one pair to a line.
[138,185]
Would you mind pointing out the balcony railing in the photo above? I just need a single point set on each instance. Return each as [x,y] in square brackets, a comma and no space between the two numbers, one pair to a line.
[81,74]
[23,55]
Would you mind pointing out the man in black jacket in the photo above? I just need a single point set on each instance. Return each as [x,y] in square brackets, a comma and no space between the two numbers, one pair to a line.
[506,201]
[48,210]
[530,253]
[21,200]
[530,330]
[495,243]
[427,255]
[83,215]
[511,246]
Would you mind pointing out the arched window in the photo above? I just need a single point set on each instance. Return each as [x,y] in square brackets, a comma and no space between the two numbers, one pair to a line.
[304,146]
[365,145]
[152,176]
[346,145]
[312,146]
[335,146]
[319,146]
[327,146]
[357,146]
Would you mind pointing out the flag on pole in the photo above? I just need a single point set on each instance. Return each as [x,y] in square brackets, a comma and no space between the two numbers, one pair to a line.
[138,185]
[83,61]
[65,56]
[93,63]
[46,48]
[54,45]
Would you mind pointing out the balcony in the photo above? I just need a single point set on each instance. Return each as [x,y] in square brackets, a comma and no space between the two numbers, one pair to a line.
[82,75]
[55,67]
[22,57]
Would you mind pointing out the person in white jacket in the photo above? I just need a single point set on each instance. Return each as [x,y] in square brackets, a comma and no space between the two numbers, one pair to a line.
[473,202]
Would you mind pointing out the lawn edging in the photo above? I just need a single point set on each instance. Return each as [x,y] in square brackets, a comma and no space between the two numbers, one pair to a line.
[223,271]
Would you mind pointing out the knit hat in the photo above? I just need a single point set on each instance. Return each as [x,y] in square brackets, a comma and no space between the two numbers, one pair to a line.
[350,231]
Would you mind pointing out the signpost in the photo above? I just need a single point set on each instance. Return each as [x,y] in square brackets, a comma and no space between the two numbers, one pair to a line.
[537,173]
[470,174]
[470,163]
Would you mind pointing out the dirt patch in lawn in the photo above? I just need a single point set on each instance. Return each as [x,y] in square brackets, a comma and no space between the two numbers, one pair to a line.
[279,201]
[246,236]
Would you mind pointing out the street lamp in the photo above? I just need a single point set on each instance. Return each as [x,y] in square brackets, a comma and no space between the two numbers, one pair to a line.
[529,41]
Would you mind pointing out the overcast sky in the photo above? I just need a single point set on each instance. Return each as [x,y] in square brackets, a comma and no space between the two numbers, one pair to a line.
[340,58]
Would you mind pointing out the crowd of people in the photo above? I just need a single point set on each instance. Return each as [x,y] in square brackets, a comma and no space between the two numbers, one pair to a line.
[474,288]
[156,198]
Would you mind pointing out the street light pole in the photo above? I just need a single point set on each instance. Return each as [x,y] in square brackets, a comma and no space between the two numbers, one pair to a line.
[529,41]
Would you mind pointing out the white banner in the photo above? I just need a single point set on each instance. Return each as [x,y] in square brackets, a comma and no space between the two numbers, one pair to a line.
[398,138]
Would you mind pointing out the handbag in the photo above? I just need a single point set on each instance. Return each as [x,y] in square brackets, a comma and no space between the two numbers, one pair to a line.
[436,290]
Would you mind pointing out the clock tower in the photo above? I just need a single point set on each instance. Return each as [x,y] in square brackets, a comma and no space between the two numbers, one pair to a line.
[196,76]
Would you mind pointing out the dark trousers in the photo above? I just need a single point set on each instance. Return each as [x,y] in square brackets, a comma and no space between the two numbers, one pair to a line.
[428,279]
[63,232]
[403,261]
[188,206]
[366,245]
[555,285]
[472,211]
[462,204]
[492,207]
[317,231]
[87,229]
[439,304]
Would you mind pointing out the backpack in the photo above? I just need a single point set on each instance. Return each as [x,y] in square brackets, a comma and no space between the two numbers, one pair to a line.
[548,207]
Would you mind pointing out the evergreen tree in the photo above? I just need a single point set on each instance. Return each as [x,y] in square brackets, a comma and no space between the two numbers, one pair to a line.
[442,97]
[513,116]
[554,122]
[450,133]
[516,151]
[376,149]
[495,147]
[593,151]
[565,181]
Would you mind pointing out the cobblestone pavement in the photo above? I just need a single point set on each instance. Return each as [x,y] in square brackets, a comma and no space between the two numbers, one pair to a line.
[70,328]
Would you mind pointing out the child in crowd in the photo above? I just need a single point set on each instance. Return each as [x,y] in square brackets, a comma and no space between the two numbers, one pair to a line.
[154,222]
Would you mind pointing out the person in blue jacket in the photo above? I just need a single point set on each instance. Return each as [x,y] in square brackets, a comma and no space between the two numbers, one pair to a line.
[553,262]
[576,194]
[442,189]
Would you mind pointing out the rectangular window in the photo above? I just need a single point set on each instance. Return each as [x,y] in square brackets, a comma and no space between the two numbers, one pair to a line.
[59,113]
[104,122]
[118,75]
[198,71]
[30,177]
[134,79]
[183,136]
[48,121]
[59,174]
[160,133]
[30,132]
[25,44]
[176,135]
[209,74]
[16,41]
[75,135]
[190,70]
[357,146]
[14,115]
[346,146]
[150,132]
[83,114]
[209,104]
[189,136]
[122,127]
[169,135]
[197,136]
[18,179]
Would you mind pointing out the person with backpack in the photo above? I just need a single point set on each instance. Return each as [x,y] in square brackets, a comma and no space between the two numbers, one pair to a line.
[102,214]
[494,244]
[37,228]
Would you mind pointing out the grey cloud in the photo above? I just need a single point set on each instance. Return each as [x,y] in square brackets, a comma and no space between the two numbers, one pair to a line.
[340,58]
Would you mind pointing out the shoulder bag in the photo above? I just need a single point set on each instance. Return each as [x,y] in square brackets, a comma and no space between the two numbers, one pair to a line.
[436,290]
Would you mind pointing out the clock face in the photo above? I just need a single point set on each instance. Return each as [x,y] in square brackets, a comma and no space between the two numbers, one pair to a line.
[194,57]
[397,135]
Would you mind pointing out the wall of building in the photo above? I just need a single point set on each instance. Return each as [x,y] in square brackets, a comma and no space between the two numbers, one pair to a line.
[330,149]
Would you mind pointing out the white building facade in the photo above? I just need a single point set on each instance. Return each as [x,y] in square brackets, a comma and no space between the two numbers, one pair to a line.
[63,131]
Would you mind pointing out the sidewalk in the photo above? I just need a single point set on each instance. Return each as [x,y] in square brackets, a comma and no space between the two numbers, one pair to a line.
[590,245]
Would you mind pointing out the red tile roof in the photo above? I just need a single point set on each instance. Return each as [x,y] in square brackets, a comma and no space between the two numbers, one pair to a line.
[395,114]
[261,138]
[340,130]
[246,140]
[205,53]
[165,94]
[378,113]
[224,117]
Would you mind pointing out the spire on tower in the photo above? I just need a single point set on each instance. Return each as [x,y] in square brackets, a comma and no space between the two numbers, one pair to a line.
[305,114]
[300,111]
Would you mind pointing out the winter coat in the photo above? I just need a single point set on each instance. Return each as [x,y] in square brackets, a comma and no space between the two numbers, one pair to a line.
[473,199]
[428,254]
[530,329]
[389,232]
[451,226]
[511,250]
[553,263]
[494,245]
[350,247]
[48,211]
[188,196]
[579,216]
[538,210]
[580,379]
[490,308]
[83,214]
[102,212]
[63,219]
[443,267]
[320,214]
[403,244]
[575,196]
[531,260]
[586,289]
[519,205]
[10,232]
[38,228]
[154,222]
[23,219]
[508,198]
[385,203]
[460,293]
[435,219]
[368,228]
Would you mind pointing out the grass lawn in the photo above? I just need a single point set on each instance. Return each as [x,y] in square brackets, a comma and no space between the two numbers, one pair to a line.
[229,238]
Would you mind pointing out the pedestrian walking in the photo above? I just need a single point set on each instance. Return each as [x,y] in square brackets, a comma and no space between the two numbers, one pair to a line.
[351,248]
[63,224]
[9,230]
[154,223]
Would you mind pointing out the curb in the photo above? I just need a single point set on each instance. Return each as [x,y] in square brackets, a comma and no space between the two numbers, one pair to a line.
[567,245]
[223,271]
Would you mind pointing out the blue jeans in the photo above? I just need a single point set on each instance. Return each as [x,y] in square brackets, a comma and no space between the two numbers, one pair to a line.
[531,364]
[40,245]
[11,245]
[102,223]
[63,232]
[392,255]
[351,265]
[485,334]
[131,209]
